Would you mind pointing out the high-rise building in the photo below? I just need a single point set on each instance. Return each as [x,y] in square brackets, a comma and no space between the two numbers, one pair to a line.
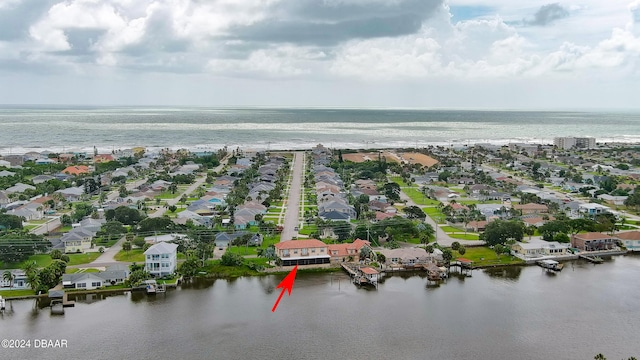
[577,142]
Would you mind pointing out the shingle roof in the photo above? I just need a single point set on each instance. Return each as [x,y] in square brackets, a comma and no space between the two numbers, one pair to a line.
[300,244]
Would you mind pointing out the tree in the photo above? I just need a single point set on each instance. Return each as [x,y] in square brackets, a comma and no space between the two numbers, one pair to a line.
[189,268]
[500,231]
[7,276]
[633,200]
[112,229]
[462,250]
[126,246]
[127,215]
[447,255]
[392,191]
[30,269]
[173,208]
[55,254]
[366,253]
[231,259]
[455,245]
[139,242]
[137,277]
[9,222]
[429,249]
[161,224]
[414,212]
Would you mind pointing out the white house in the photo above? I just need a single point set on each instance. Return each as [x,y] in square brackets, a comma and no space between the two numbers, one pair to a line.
[161,259]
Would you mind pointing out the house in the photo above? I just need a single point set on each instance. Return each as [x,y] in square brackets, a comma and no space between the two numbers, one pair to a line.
[303,252]
[476,226]
[41,179]
[531,208]
[592,209]
[538,249]
[347,252]
[4,173]
[630,240]
[72,194]
[165,237]
[19,188]
[90,281]
[103,158]
[161,259]
[76,170]
[612,200]
[406,257]
[19,280]
[593,241]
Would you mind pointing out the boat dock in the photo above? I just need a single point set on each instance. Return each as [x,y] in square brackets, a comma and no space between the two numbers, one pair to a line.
[2,304]
[365,275]
[550,265]
[592,258]
[59,301]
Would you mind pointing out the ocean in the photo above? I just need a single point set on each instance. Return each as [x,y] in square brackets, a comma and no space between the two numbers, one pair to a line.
[67,129]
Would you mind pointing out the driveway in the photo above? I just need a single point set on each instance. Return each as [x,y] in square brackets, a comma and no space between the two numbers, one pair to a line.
[107,258]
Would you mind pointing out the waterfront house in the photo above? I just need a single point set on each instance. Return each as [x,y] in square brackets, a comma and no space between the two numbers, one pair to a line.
[90,281]
[538,249]
[302,252]
[348,251]
[19,280]
[407,257]
[630,240]
[161,259]
[593,241]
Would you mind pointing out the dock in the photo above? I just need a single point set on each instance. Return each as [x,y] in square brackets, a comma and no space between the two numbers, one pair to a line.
[592,258]
[550,265]
[59,301]
[365,275]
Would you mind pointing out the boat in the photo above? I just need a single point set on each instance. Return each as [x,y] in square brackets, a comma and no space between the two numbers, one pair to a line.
[551,265]
[2,303]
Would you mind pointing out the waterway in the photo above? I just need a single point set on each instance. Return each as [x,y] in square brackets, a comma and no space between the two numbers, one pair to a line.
[505,313]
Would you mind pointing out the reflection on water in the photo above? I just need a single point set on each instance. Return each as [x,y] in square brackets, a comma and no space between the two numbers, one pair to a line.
[499,313]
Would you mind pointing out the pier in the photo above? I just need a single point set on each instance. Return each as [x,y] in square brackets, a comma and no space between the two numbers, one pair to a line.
[362,275]
[592,258]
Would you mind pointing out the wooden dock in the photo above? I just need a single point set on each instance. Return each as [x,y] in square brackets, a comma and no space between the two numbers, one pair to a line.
[362,275]
[592,258]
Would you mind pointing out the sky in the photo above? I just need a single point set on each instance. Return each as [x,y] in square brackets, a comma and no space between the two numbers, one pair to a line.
[456,54]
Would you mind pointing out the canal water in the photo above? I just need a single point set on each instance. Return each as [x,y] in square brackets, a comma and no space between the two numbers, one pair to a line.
[505,313]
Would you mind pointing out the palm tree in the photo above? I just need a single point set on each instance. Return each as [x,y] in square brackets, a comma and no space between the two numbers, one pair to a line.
[8,277]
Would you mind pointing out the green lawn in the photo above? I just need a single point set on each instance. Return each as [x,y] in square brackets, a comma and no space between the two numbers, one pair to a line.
[42,260]
[39,222]
[243,250]
[30,227]
[167,195]
[79,259]
[469,236]
[134,255]
[418,197]
[308,230]
[18,292]
[450,229]
[483,256]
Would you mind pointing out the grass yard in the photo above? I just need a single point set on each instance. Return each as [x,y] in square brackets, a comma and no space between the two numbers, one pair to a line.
[469,236]
[308,230]
[418,197]
[42,260]
[167,195]
[450,229]
[483,256]
[133,255]
[18,292]
[79,259]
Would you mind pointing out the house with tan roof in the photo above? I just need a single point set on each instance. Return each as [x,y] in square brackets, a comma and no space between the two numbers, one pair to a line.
[593,241]
[630,240]
[531,208]
[303,252]
[76,170]
[348,251]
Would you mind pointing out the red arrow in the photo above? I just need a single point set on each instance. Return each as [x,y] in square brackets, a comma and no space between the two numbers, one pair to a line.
[286,284]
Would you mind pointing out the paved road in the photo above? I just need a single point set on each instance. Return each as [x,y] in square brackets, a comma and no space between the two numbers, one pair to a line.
[175,200]
[292,215]
[47,227]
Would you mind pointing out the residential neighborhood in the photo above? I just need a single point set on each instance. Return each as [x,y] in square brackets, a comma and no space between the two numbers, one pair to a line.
[178,213]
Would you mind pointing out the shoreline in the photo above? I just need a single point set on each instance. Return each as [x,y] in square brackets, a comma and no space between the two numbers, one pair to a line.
[332,269]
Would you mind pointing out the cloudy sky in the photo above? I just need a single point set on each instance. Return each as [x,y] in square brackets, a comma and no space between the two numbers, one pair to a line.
[574,54]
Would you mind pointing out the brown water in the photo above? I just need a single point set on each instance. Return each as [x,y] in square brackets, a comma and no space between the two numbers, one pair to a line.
[510,313]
